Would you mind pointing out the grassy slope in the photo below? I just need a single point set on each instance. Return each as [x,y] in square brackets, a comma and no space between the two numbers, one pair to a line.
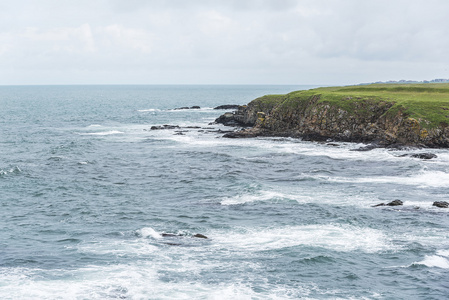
[425,102]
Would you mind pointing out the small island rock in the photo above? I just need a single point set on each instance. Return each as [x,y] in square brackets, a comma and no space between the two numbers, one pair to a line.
[392,203]
[441,204]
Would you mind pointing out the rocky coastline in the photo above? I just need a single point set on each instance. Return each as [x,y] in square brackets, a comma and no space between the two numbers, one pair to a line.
[380,117]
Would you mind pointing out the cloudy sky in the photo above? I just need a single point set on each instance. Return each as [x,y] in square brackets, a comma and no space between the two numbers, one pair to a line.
[328,42]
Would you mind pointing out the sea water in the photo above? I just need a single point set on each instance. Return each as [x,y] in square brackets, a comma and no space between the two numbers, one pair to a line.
[96,205]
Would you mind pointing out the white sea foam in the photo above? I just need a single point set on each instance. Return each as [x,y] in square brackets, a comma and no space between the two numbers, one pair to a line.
[295,146]
[109,132]
[10,171]
[434,261]
[444,253]
[422,180]
[148,110]
[130,281]
[264,196]
[334,237]
[302,196]
[117,248]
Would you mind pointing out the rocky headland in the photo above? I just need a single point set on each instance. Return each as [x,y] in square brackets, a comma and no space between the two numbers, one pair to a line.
[385,115]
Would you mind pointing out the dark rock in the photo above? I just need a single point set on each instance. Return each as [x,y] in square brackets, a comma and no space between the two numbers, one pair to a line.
[395,203]
[193,127]
[241,134]
[228,106]
[366,148]
[333,144]
[224,131]
[200,236]
[392,203]
[164,127]
[241,117]
[227,119]
[420,155]
[169,235]
[441,204]
[232,135]
[314,138]
[424,155]
[186,107]
[398,146]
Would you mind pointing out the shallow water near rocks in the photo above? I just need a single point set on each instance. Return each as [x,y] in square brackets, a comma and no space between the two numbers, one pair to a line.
[88,190]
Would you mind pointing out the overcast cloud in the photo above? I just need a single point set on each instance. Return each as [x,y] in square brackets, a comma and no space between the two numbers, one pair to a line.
[222,42]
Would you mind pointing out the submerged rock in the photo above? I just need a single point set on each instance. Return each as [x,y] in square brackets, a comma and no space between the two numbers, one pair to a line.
[420,155]
[441,204]
[366,148]
[169,235]
[424,155]
[200,236]
[165,127]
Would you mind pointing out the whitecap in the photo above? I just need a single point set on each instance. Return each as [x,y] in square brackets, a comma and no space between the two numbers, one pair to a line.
[434,261]
[13,170]
[443,253]
[110,132]
[148,232]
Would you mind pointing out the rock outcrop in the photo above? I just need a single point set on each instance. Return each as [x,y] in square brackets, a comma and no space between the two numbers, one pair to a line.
[187,107]
[227,106]
[343,115]
[392,203]
[441,204]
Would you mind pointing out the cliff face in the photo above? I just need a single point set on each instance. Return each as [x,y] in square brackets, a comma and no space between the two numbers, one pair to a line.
[313,115]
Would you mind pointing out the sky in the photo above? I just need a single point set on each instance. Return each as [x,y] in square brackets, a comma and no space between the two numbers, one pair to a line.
[322,42]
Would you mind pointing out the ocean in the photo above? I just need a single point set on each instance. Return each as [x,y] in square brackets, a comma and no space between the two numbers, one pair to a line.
[97,205]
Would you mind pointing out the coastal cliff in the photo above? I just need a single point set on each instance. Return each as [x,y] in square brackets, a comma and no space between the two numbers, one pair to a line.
[385,114]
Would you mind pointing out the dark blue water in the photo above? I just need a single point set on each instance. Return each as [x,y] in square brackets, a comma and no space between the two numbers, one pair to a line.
[88,192]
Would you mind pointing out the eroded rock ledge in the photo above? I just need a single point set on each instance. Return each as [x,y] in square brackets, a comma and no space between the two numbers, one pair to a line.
[391,115]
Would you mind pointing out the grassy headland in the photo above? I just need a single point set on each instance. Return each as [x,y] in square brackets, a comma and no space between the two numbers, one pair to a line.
[414,114]
[428,102]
